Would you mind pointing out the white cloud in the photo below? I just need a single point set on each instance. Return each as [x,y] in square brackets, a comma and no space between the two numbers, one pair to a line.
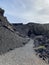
[26,10]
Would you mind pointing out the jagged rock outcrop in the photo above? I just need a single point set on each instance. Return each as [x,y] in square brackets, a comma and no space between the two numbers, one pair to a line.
[32,29]
[9,39]
[1,12]
[41,46]
[3,20]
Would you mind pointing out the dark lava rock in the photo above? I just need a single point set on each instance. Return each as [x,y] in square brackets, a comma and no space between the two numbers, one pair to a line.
[41,46]
[1,12]
[9,39]
[32,29]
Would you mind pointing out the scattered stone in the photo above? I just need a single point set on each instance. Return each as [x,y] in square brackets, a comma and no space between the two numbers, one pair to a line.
[41,47]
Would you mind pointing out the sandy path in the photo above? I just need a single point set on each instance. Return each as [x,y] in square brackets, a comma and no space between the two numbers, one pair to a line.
[21,56]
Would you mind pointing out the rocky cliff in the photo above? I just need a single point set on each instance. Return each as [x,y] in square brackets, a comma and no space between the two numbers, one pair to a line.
[9,39]
[32,29]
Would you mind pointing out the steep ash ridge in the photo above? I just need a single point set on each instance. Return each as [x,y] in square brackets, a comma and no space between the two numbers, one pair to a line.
[9,39]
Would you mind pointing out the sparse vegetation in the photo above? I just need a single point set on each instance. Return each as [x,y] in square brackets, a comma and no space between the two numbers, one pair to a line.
[41,46]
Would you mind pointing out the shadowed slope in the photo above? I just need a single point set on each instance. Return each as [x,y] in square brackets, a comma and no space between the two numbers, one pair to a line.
[8,37]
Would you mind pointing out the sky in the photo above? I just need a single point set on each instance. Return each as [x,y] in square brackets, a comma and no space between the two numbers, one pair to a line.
[24,11]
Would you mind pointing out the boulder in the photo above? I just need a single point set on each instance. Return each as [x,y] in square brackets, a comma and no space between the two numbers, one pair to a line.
[1,12]
[41,46]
